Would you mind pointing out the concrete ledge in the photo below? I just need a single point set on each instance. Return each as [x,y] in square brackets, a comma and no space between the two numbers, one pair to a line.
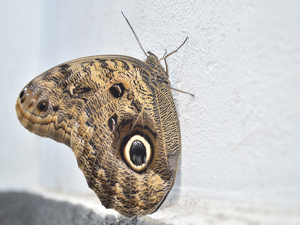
[60,208]
[21,208]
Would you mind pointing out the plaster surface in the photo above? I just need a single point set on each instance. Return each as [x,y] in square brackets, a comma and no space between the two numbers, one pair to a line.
[240,133]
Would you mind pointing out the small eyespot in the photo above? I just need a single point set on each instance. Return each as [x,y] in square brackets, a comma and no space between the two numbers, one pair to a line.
[22,95]
[23,92]
[137,153]
[117,90]
[112,122]
[43,106]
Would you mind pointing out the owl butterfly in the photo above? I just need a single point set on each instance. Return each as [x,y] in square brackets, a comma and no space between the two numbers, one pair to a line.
[118,116]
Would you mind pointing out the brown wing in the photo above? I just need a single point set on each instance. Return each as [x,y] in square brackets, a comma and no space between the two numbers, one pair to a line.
[118,116]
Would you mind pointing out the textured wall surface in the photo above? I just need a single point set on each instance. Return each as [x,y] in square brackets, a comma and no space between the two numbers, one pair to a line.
[240,134]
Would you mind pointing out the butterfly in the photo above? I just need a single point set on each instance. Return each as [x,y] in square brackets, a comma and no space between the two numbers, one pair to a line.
[118,116]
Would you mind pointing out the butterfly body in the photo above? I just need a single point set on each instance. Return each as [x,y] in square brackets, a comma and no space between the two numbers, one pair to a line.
[118,116]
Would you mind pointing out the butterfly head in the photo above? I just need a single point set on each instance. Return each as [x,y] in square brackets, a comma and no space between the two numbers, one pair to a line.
[152,60]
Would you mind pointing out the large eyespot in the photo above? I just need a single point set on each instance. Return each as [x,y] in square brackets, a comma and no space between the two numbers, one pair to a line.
[137,153]
[42,105]
[117,90]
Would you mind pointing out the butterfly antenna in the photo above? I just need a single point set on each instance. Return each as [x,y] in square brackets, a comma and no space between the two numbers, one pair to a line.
[177,48]
[165,56]
[136,37]
[184,92]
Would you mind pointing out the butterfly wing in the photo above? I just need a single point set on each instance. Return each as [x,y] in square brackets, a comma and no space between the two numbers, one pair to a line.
[118,116]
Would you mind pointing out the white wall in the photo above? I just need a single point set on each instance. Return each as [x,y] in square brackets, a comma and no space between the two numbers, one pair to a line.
[20,41]
[241,132]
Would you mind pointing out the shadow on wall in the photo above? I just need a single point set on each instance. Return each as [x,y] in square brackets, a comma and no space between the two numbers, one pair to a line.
[20,208]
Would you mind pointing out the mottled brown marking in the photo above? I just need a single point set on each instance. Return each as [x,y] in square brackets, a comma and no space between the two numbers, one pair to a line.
[93,105]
